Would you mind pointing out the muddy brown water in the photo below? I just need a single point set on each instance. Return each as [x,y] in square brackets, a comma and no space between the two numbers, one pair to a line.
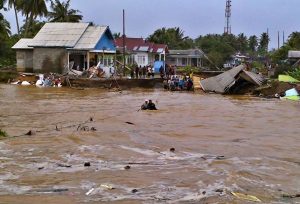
[222,144]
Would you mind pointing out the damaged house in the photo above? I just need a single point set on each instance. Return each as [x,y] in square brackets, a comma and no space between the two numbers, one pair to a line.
[235,81]
[59,45]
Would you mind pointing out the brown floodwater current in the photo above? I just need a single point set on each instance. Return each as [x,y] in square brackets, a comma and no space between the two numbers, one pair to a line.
[222,144]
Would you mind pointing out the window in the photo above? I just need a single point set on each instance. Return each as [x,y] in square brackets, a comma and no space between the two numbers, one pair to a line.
[107,61]
[183,62]
[141,60]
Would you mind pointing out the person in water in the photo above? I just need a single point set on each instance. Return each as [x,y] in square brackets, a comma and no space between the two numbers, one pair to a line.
[145,105]
[151,105]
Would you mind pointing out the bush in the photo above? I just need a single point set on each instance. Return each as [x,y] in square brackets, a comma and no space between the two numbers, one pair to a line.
[294,73]
[3,134]
[282,69]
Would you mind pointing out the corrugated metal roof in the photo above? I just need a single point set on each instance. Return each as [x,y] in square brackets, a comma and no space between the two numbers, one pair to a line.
[90,38]
[189,52]
[222,82]
[23,44]
[252,77]
[294,54]
[59,35]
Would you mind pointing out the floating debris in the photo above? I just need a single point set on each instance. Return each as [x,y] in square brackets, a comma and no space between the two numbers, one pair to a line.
[90,191]
[30,132]
[246,197]
[172,149]
[107,186]
[64,165]
[127,167]
[86,164]
[134,191]
[291,196]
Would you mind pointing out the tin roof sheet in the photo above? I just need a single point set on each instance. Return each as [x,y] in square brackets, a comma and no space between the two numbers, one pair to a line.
[23,44]
[90,37]
[59,35]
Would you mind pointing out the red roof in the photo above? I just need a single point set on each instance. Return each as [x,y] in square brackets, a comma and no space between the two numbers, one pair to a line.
[140,45]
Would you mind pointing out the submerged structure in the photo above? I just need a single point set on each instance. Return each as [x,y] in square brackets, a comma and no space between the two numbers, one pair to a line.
[232,81]
[57,45]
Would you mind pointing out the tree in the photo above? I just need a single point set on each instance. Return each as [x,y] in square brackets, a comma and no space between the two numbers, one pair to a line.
[294,40]
[1,4]
[253,43]
[13,4]
[4,37]
[264,43]
[218,48]
[61,12]
[32,9]
[242,42]
[33,29]
[4,27]
[117,35]
[173,37]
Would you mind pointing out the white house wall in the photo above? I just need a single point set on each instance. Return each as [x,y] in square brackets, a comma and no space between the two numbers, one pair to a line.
[141,56]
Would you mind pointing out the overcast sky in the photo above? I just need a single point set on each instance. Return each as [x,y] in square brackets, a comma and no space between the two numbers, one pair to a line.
[194,17]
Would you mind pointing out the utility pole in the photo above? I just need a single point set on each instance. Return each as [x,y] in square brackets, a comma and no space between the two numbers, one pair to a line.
[124,45]
[227,29]
[268,39]
[283,38]
[278,40]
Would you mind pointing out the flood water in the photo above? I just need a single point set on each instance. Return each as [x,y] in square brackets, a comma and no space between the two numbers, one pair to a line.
[222,144]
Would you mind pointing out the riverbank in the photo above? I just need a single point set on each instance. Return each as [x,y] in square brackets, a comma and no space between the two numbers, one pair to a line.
[7,75]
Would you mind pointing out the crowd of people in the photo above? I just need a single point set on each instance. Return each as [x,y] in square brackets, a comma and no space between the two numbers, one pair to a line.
[178,83]
[139,72]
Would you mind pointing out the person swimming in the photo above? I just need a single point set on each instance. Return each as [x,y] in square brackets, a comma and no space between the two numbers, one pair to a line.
[151,105]
[145,105]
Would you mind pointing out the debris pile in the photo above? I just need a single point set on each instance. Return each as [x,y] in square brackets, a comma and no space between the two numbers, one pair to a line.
[235,81]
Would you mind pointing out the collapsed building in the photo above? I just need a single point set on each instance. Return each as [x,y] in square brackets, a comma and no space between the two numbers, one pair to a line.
[235,81]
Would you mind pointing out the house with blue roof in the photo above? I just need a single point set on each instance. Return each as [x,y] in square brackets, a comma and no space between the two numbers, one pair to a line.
[59,45]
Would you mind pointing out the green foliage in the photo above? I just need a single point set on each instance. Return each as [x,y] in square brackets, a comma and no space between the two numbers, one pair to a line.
[282,69]
[187,69]
[173,37]
[219,48]
[8,55]
[293,43]
[280,54]
[4,28]
[264,43]
[3,134]
[61,12]
[7,75]
[294,40]
[32,29]
[253,43]
[294,73]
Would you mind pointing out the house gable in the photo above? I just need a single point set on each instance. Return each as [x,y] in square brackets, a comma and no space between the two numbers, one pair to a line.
[106,42]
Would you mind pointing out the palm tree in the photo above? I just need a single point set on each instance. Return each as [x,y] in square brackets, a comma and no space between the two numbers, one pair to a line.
[253,43]
[1,4]
[4,27]
[264,42]
[61,12]
[32,9]
[13,4]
